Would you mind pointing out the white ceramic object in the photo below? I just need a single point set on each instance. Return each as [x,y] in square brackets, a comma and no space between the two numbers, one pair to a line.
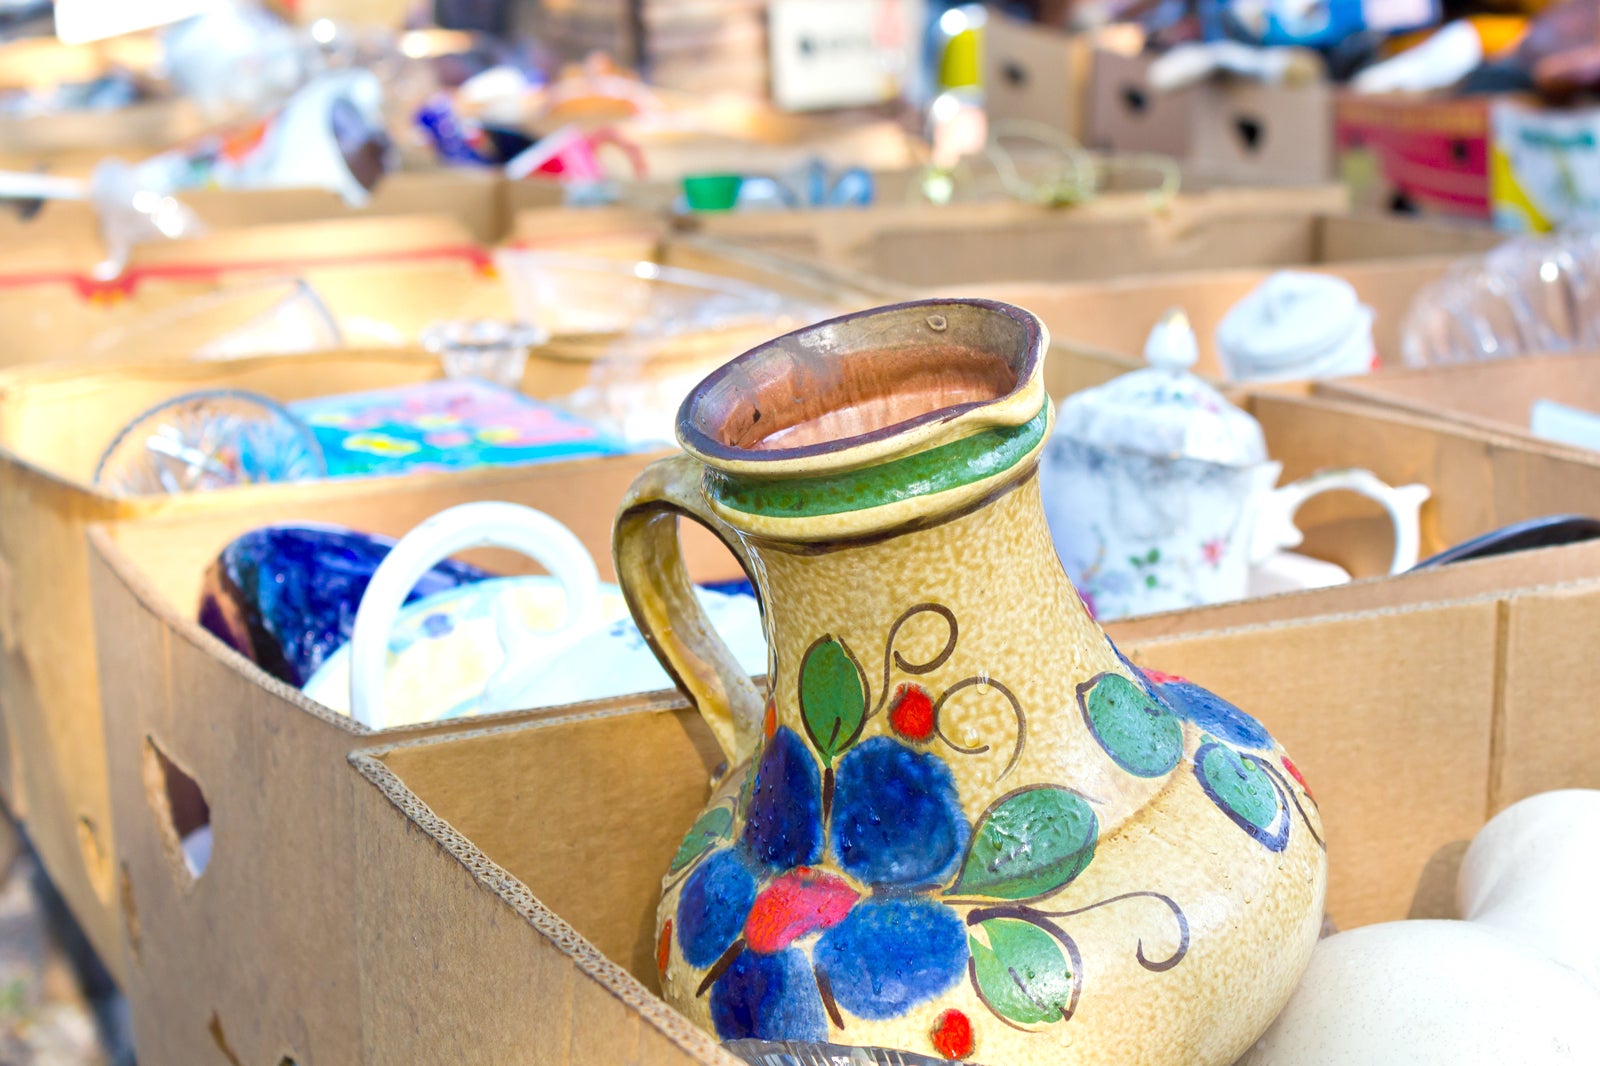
[1160,495]
[1432,993]
[443,650]
[1283,572]
[1450,54]
[1532,872]
[1294,326]
[1517,981]
[510,643]
[471,525]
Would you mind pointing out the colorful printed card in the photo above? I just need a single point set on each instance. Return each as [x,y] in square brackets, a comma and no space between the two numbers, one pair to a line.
[445,425]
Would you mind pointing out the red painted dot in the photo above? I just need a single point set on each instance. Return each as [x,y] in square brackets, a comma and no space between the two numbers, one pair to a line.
[664,948]
[952,1035]
[1161,677]
[1294,772]
[912,712]
[769,724]
[799,902]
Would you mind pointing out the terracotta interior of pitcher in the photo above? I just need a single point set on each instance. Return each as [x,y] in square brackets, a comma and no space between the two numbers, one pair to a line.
[862,378]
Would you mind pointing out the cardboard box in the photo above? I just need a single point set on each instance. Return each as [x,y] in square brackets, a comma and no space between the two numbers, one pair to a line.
[1001,239]
[501,893]
[1237,128]
[1496,395]
[1108,322]
[279,895]
[476,199]
[1505,158]
[1036,73]
[1544,166]
[400,273]
[1480,481]
[1416,155]
[54,423]
[380,922]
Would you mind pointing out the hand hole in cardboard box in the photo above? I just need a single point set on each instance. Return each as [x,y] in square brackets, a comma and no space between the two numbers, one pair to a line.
[1134,98]
[182,813]
[1014,74]
[1250,131]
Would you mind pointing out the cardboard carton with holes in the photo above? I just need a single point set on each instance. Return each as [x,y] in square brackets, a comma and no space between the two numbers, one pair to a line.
[1232,128]
[1415,709]
[55,422]
[1036,73]
[267,759]
[1426,155]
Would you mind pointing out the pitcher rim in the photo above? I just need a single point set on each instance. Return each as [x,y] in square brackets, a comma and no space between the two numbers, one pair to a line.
[1005,409]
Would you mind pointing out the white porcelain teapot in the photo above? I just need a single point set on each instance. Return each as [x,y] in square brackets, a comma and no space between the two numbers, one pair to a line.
[1160,495]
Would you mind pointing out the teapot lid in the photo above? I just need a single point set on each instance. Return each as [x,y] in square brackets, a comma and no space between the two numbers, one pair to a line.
[1290,319]
[1164,410]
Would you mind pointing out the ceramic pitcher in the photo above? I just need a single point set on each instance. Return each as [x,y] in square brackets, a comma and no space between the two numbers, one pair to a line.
[958,824]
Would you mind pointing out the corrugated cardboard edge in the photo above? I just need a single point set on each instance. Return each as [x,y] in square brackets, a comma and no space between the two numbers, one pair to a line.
[1495,796]
[1370,392]
[617,981]
[103,543]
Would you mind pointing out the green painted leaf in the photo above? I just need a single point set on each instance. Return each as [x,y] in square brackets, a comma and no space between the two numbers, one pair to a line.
[1028,845]
[712,826]
[833,697]
[1150,581]
[1023,972]
[1154,556]
[1240,786]
[1139,733]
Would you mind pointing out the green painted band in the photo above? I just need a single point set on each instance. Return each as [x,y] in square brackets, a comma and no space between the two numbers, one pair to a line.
[949,466]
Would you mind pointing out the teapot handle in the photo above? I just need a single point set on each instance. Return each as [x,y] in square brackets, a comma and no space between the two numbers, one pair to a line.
[1275,528]
[655,582]
[485,524]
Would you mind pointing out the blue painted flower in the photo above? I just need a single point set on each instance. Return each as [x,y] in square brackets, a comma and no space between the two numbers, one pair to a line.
[785,945]
[1203,707]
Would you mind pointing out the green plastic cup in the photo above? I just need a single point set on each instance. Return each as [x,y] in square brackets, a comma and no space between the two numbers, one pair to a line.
[712,192]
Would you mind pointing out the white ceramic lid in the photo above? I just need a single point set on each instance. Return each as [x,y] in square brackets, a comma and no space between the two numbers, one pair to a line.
[1164,410]
[1291,319]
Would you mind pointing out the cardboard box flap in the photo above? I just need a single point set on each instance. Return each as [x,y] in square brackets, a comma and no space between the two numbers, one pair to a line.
[1496,395]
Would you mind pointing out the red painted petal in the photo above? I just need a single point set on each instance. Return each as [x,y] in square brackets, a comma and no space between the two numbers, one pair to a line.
[769,723]
[952,1035]
[799,902]
[664,948]
[911,715]
[1160,677]
[1294,772]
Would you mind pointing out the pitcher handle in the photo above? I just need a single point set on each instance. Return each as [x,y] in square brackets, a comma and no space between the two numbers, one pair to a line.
[485,524]
[655,582]
[1275,528]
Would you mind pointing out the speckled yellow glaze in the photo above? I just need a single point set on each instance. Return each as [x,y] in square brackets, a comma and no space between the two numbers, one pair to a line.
[1249,914]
